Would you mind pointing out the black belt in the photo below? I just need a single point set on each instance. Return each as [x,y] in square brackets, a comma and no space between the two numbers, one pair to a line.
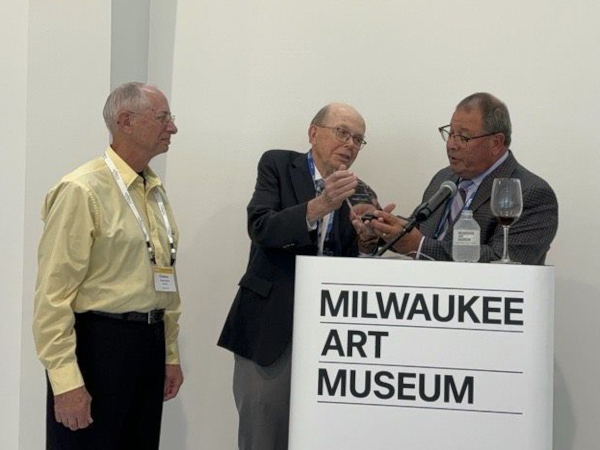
[154,316]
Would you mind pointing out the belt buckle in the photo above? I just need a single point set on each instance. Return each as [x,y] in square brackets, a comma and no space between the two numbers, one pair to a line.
[154,316]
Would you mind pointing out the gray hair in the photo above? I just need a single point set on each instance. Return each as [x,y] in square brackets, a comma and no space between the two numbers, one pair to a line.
[321,115]
[128,96]
[494,114]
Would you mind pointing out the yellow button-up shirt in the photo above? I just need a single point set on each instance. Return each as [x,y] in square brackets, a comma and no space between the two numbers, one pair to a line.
[93,256]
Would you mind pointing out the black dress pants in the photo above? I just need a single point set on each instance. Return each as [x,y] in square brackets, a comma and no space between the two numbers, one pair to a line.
[123,367]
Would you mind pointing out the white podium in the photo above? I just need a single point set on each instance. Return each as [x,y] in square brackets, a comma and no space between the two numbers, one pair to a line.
[394,354]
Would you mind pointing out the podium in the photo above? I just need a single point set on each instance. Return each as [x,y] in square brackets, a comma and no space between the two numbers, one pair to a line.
[394,354]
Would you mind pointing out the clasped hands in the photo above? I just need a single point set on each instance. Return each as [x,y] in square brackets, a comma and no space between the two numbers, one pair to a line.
[388,226]
[384,225]
[368,235]
[338,187]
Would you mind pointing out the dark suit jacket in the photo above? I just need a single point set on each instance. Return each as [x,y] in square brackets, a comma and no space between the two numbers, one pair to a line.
[259,324]
[530,236]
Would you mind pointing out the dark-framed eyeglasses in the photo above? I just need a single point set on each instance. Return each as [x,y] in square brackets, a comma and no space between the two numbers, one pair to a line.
[344,135]
[459,138]
[165,118]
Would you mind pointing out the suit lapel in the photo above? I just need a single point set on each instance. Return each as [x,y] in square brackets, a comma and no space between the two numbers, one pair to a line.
[484,192]
[302,182]
[438,214]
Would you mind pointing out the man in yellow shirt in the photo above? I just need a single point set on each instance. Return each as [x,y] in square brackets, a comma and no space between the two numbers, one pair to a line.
[106,303]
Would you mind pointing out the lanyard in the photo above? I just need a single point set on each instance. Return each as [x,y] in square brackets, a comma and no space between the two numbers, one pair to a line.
[330,216]
[161,206]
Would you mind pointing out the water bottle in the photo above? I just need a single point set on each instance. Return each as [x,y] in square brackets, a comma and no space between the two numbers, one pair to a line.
[466,238]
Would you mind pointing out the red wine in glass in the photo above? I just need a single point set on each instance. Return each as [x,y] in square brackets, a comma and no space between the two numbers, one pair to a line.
[507,206]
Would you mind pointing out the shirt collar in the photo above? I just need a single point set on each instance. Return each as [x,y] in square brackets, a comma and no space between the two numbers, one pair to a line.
[129,175]
[318,175]
[151,178]
[479,178]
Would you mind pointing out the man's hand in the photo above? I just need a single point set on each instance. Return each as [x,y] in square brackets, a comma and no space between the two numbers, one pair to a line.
[367,235]
[338,187]
[173,381]
[388,226]
[74,408]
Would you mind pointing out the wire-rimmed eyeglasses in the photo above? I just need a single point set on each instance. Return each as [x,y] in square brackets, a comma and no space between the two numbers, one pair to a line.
[164,118]
[343,135]
[459,138]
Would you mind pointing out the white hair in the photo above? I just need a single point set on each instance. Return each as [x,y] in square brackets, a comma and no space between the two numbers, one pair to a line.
[128,96]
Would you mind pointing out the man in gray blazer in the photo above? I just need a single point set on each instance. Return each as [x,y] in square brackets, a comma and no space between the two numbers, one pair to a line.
[477,143]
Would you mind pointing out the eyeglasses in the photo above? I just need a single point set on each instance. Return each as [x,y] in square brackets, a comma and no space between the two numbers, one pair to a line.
[459,138]
[343,135]
[164,118]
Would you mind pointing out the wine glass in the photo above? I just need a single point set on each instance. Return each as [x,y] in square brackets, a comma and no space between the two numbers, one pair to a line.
[507,206]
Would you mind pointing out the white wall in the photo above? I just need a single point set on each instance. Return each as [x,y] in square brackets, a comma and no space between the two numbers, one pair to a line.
[248,76]
[13,29]
[68,77]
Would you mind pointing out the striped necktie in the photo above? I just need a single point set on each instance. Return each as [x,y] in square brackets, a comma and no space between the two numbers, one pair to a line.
[459,201]
[456,207]
[319,186]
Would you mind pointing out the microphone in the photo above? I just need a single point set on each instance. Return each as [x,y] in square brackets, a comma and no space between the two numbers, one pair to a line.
[423,212]
[447,189]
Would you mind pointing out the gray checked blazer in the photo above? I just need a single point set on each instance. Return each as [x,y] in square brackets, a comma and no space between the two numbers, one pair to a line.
[530,236]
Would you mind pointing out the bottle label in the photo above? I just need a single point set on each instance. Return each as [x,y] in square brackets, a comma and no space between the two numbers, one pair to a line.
[466,237]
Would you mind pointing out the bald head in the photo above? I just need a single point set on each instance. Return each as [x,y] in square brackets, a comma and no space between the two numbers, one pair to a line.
[327,111]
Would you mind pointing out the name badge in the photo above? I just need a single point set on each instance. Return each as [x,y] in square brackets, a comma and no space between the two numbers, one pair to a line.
[164,279]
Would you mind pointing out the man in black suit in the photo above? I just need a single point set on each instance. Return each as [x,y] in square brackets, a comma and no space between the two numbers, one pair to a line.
[298,208]
[477,144]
